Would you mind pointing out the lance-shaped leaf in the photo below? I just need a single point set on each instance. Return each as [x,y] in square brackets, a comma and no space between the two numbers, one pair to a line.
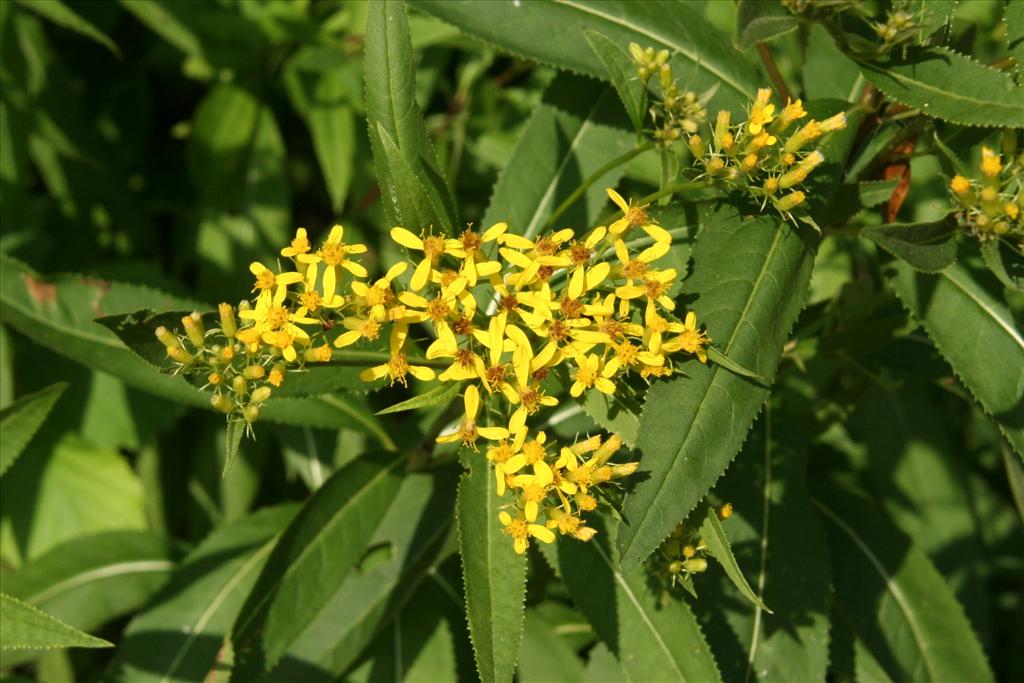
[719,548]
[949,86]
[62,15]
[494,575]
[439,394]
[750,278]
[524,29]
[20,421]
[621,71]
[976,333]
[780,546]
[653,641]
[311,559]
[1013,18]
[26,627]
[178,638]
[895,600]
[759,21]
[392,112]
[574,132]
[927,247]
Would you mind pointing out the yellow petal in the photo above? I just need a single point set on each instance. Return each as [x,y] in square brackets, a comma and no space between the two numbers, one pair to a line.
[472,401]
[421,373]
[406,238]
[337,234]
[617,198]
[374,373]
[420,276]
[493,433]
[541,533]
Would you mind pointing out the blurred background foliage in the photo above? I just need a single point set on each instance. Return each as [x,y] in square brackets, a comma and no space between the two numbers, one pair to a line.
[169,143]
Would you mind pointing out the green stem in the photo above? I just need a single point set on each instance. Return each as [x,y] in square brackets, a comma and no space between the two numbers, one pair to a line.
[593,178]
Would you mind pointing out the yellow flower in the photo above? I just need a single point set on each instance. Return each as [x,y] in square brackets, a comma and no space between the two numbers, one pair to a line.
[960,185]
[267,280]
[357,328]
[655,289]
[504,450]
[379,296]
[334,255]
[580,280]
[691,339]
[635,215]
[299,245]
[991,164]
[532,256]
[591,372]
[655,328]
[761,113]
[521,530]
[532,492]
[790,113]
[468,430]
[534,454]
[438,311]
[469,247]
[433,248]
[397,367]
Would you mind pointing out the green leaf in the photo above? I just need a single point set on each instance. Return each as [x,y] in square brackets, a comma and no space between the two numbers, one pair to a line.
[90,580]
[751,275]
[992,254]
[164,23]
[680,27]
[545,655]
[392,112]
[617,414]
[719,358]
[494,575]
[761,21]
[653,640]
[976,334]
[948,86]
[332,123]
[312,558]
[927,247]
[65,17]
[20,421]
[621,70]
[27,627]
[779,543]
[895,600]
[178,638]
[719,548]
[1013,18]
[439,394]
[571,135]
[370,597]
[827,71]
[222,131]
[233,434]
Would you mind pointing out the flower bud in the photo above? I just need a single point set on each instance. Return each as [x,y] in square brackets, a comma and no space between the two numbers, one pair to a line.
[794,177]
[960,185]
[689,551]
[696,145]
[214,378]
[276,376]
[790,201]
[260,394]
[695,565]
[991,164]
[609,448]
[254,372]
[725,511]
[837,122]
[193,324]
[251,413]
[810,131]
[228,324]
[715,166]
[180,355]
[318,354]
[624,470]
[722,129]
[239,385]
[674,567]
[585,533]
[222,403]
[166,337]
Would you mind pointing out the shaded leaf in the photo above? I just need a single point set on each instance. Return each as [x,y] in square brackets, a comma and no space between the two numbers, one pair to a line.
[65,17]
[992,254]
[621,70]
[719,358]
[761,21]
[948,86]
[28,627]
[927,247]
[680,27]
[332,123]
[545,656]
[20,421]
[970,328]
[439,394]
[718,547]
[311,559]
[1013,18]
[233,434]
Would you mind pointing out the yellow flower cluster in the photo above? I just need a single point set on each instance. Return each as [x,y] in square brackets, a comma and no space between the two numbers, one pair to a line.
[678,111]
[764,155]
[515,320]
[990,208]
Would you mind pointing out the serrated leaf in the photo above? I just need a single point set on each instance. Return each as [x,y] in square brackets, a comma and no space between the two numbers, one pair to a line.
[895,600]
[680,27]
[495,577]
[654,641]
[718,547]
[780,545]
[751,276]
[439,394]
[391,107]
[758,21]
[976,334]
[948,86]
[26,627]
[572,134]
[370,597]
[65,17]
[1013,18]
[992,255]
[178,638]
[311,560]
[545,655]
[927,247]
[233,434]
[20,421]
[719,358]
[615,414]
[621,71]
[850,198]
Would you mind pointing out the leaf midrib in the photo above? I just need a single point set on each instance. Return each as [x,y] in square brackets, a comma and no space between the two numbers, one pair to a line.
[948,93]
[99,573]
[986,308]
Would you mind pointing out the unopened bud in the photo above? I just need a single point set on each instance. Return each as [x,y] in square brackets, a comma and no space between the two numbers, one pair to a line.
[689,551]
[318,354]
[794,177]
[960,185]
[624,470]
[725,511]
[790,201]
[251,413]
[193,324]
[715,166]
[239,385]
[991,164]
[227,320]
[180,355]
[214,378]
[810,131]
[609,448]
[254,372]
[722,129]
[832,123]
[674,567]
[276,376]
[696,145]
[260,394]
[166,337]
[585,533]
[222,403]
[695,565]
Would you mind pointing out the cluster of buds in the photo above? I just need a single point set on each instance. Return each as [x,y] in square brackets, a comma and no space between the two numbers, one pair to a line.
[990,208]
[514,321]
[899,26]
[552,488]
[764,156]
[241,376]
[679,111]
[819,9]
[682,555]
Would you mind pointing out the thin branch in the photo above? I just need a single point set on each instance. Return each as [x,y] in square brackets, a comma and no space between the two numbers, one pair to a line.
[773,72]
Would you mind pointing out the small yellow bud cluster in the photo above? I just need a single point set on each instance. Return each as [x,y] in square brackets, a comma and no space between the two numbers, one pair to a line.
[899,26]
[678,112]
[552,488]
[241,377]
[682,555]
[764,155]
[990,207]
